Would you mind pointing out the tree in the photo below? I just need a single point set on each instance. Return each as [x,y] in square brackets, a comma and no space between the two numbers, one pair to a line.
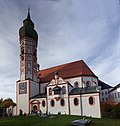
[1,103]
[7,103]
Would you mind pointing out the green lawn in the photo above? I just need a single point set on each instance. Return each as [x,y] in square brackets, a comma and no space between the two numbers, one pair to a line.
[63,120]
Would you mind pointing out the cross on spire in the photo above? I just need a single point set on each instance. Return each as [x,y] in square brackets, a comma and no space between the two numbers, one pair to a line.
[28,16]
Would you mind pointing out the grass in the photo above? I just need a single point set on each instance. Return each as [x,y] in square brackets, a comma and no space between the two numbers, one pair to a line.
[62,120]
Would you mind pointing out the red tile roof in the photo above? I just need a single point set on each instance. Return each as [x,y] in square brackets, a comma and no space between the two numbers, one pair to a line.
[69,70]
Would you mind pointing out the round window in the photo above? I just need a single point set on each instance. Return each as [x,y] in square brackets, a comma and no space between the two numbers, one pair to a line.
[91,100]
[75,101]
[62,102]
[43,103]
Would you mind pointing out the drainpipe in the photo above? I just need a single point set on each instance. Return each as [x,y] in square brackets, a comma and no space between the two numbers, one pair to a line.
[81,105]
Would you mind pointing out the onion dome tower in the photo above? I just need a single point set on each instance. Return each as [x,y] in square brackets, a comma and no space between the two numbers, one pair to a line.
[28,50]
[28,85]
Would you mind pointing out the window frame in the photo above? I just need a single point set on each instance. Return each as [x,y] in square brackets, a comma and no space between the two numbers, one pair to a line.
[43,103]
[77,101]
[93,100]
[61,102]
[52,103]
[50,91]
[63,89]
[77,84]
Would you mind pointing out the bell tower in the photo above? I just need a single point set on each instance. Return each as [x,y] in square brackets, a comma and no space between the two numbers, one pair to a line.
[28,50]
[28,85]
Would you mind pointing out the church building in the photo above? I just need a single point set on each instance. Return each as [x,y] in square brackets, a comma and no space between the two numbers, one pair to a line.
[70,88]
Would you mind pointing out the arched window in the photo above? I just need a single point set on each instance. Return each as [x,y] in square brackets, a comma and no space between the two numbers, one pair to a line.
[52,102]
[43,103]
[88,84]
[62,102]
[76,101]
[76,85]
[28,50]
[22,58]
[22,51]
[50,91]
[91,101]
[63,90]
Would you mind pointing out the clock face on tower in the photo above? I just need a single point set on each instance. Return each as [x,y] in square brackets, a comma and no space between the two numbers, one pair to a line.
[23,88]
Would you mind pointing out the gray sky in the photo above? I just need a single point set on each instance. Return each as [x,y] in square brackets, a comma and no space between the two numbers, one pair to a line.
[68,30]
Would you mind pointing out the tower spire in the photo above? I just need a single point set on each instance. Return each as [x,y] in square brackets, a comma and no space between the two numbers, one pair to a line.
[28,16]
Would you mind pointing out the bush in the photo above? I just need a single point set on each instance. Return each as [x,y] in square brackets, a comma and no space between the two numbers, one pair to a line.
[116,111]
[109,110]
[106,107]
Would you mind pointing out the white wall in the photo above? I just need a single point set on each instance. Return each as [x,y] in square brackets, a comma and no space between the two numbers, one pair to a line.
[75,110]
[43,109]
[91,110]
[58,108]
[115,95]
[22,100]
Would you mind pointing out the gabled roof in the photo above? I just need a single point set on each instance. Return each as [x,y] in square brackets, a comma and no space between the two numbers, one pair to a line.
[117,86]
[69,70]
[103,85]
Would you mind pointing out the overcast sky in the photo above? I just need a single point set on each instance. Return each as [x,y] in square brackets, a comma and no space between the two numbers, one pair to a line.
[68,30]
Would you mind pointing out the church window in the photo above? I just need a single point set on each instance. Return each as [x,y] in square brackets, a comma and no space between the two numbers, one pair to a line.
[52,102]
[76,101]
[29,65]
[28,71]
[62,102]
[56,92]
[118,94]
[63,90]
[28,50]
[91,101]
[43,103]
[50,91]
[22,51]
[76,85]
[22,58]
[88,84]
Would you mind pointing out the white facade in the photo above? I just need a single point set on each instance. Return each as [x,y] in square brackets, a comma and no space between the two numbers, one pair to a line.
[115,95]
[65,103]
[104,94]
[92,110]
